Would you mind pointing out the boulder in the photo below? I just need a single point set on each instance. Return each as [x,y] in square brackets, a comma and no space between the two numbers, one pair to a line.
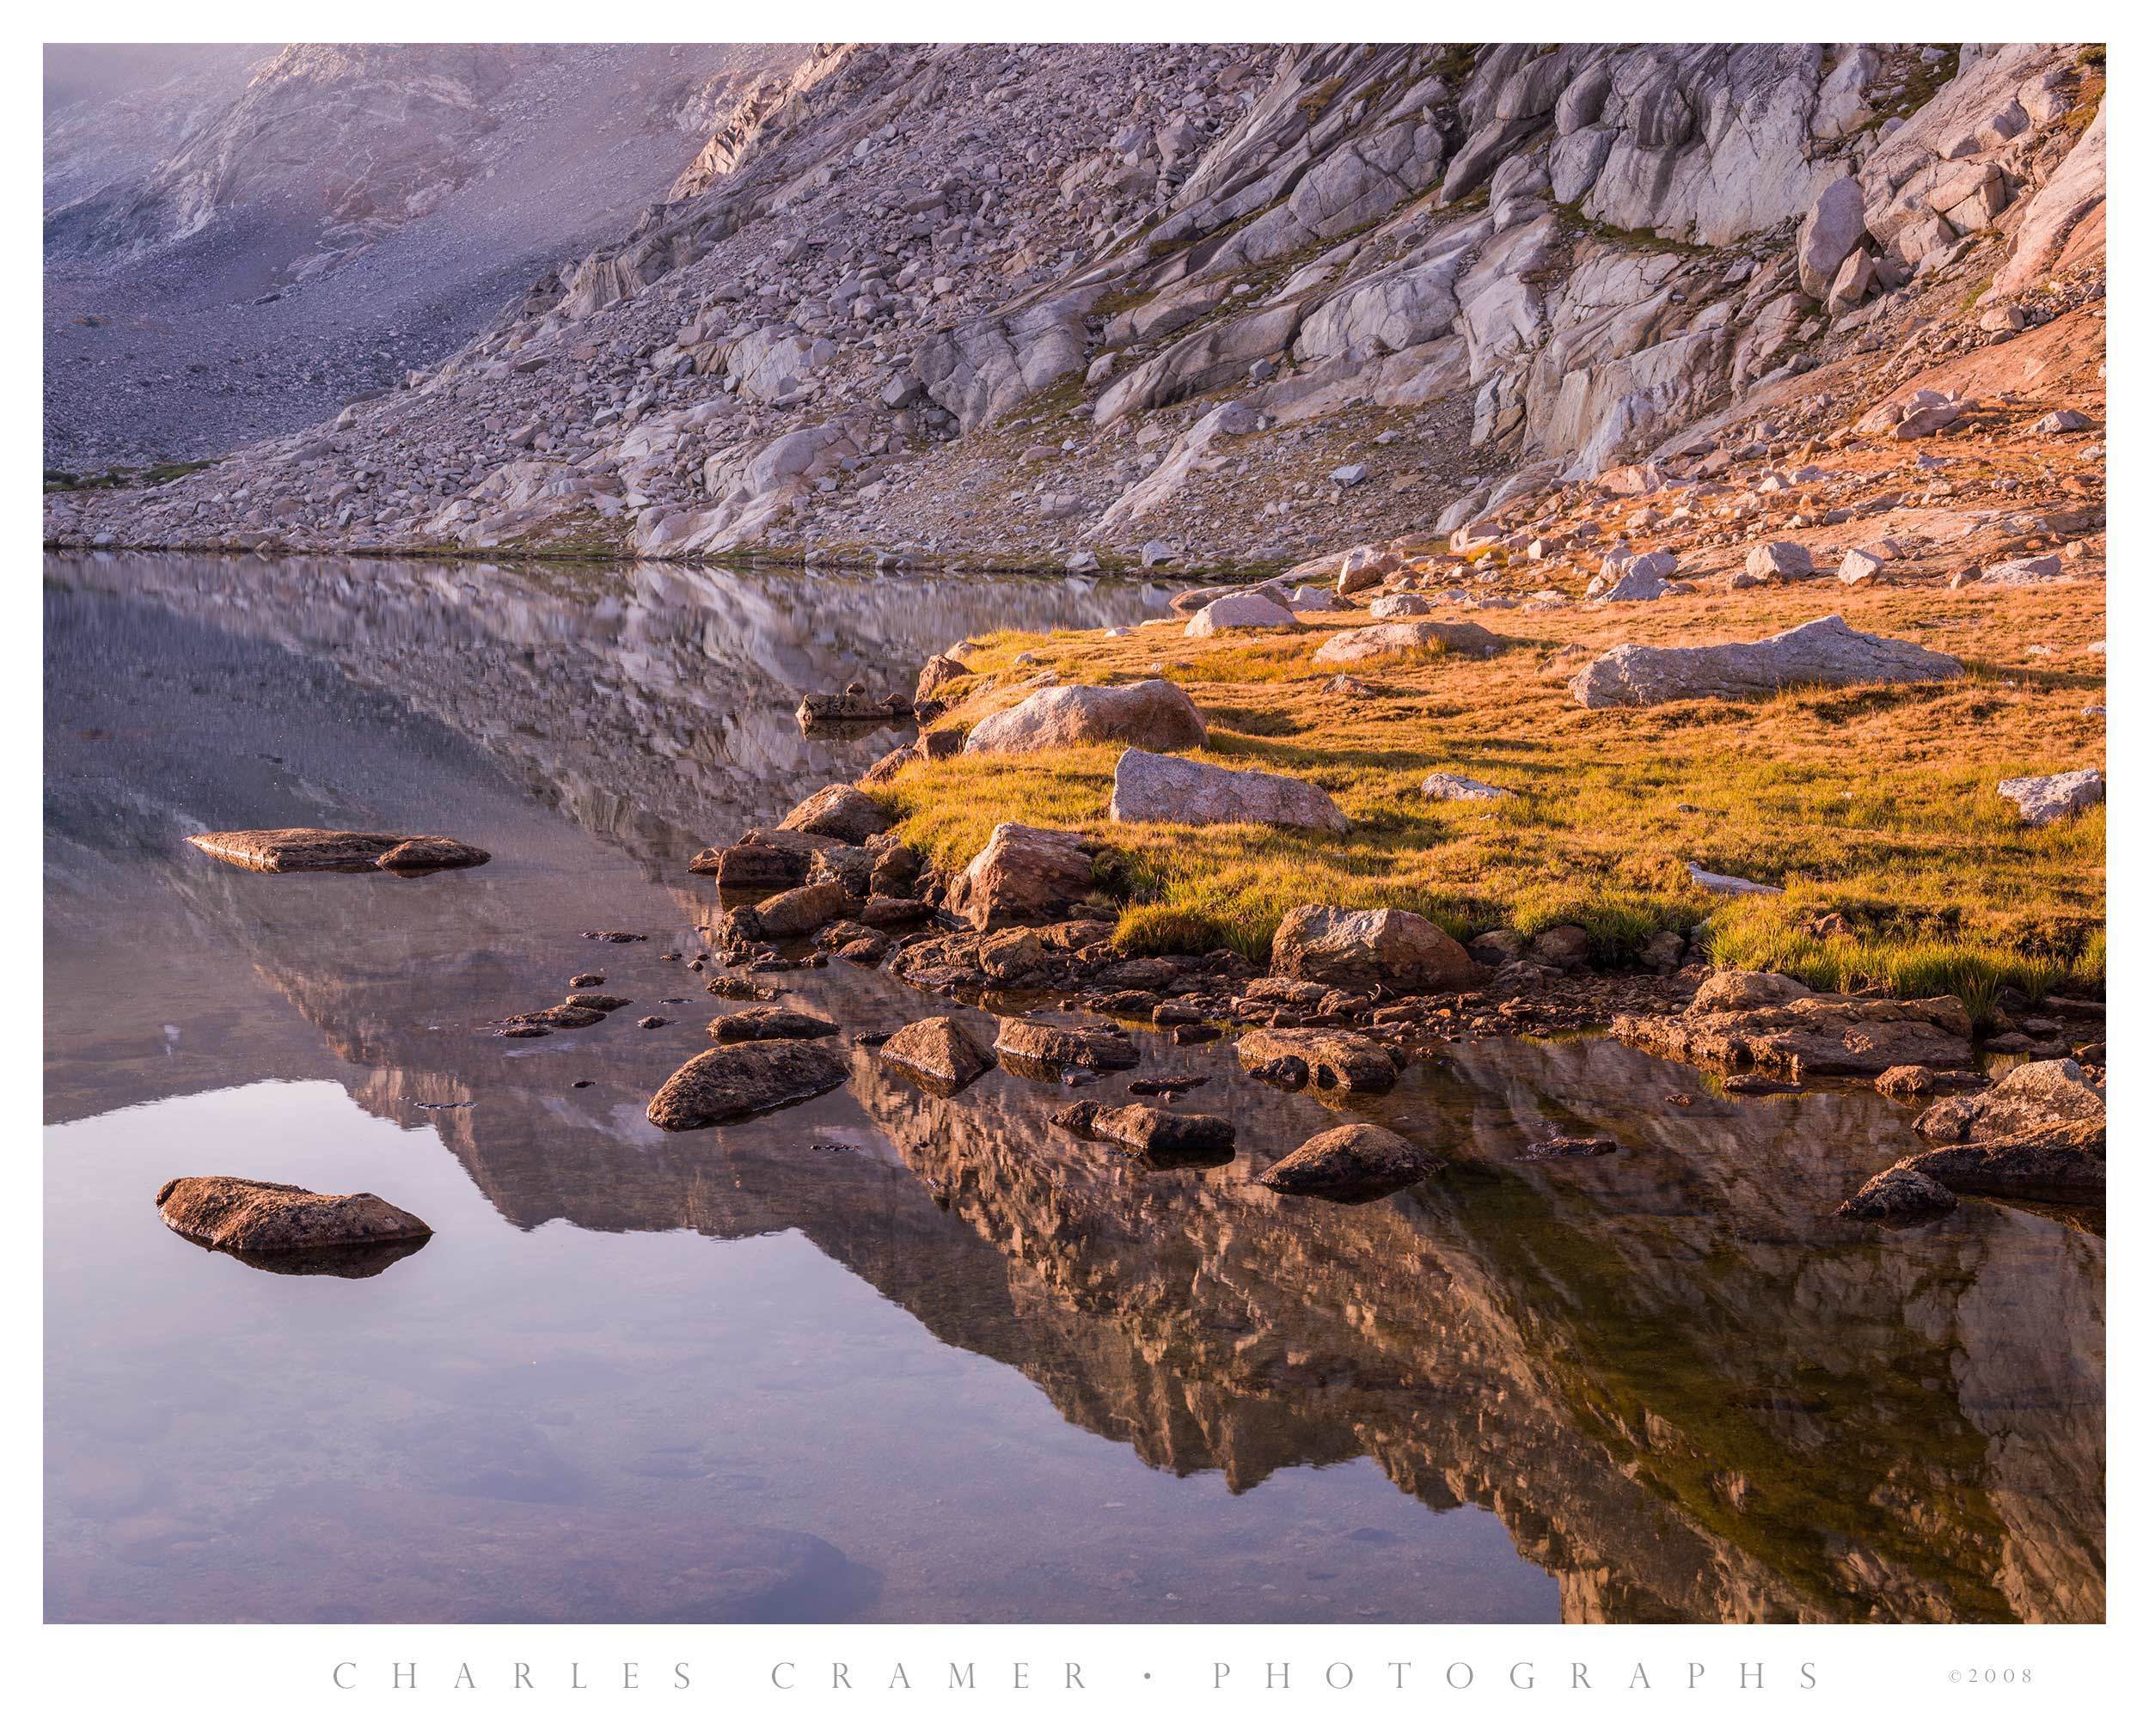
[1397,949]
[1362,569]
[1834,225]
[2056,797]
[1024,874]
[799,911]
[299,849]
[1390,638]
[430,854]
[1400,607]
[1332,1060]
[1820,653]
[2035,1095]
[1239,609]
[1351,1164]
[274,1219]
[1153,714]
[1899,1193]
[1816,1036]
[1780,560]
[745,1078]
[1164,1134]
[759,1024]
[1906,1081]
[2063,1165]
[1730,885]
[1147,786]
[1095,1046]
[938,1052]
[937,672]
[1742,990]
[839,811]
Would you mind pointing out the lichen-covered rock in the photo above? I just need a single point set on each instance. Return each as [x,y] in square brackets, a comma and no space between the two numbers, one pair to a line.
[840,810]
[745,1078]
[1351,1164]
[1336,1061]
[1024,874]
[1162,787]
[938,1051]
[1398,949]
[1821,653]
[238,1216]
[1153,714]
[1389,638]
[2037,1094]
[2057,797]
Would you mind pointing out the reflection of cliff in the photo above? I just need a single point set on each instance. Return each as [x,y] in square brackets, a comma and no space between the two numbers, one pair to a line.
[650,703]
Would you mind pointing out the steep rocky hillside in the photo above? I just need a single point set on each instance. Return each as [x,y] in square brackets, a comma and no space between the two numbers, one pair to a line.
[243,241]
[1207,306]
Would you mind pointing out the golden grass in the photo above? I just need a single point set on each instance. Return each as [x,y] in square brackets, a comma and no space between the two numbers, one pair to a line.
[1876,802]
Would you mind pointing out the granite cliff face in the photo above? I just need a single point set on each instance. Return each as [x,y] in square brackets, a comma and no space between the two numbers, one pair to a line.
[1217,304]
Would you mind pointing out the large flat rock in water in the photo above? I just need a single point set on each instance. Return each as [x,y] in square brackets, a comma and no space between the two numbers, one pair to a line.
[235,1215]
[745,1078]
[1816,1035]
[1821,653]
[313,849]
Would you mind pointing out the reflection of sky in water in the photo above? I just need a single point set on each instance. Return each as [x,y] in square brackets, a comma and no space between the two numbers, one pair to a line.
[830,1363]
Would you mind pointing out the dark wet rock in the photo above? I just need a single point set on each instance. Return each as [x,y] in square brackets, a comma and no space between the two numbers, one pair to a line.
[894,913]
[733,988]
[1552,1149]
[1334,1060]
[560,1018]
[1397,949]
[269,1219]
[1289,1070]
[299,849]
[1160,1087]
[1078,1116]
[1755,1021]
[1164,1134]
[1899,1193]
[789,914]
[428,855]
[652,1023]
[2034,1096]
[588,979]
[1056,1046]
[745,1078]
[1024,874]
[618,936]
[760,1022]
[597,1003]
[1195,1033]
[583,1085]
[938,1051]
[1351,1164]
[1127,1003]
[840,810]
[2064,1165]
[523,1028]
[1759,1084]
[820,711]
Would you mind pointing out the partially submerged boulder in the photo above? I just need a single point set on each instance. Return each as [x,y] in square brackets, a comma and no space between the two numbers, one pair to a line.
[1154,714]
[758,1023]
[745,1078]
[1164,1134]
[1820,653]
[1096,1047]
[2060,1165]
[1898,1193]
[799,911]
[937,1052]
[1162,787]
[1332,1060]
[285,1228]
[1351,1164]
[1398,949]
[1024,874]
[314,850]
[839,811]
[2036,1094]
[1389,638]
[1745,1027]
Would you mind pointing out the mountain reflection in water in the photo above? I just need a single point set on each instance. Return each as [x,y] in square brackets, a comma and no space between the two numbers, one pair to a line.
[1662,1387]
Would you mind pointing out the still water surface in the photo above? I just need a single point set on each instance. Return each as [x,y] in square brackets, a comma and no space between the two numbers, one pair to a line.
[878,1356]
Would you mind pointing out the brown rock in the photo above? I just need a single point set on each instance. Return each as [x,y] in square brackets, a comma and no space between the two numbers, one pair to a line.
[2063,1164]
[1898,1193]
[799,911]
[1024,874]
[938,1052]
[1351,1164]
[758,1023]
[299,849]
[840,810]
[1396,949]
[745,1078]
[1333,1060]
[752,864]
[428,855]
[244,1217]
[894,913]
[937,671]
[1098,1048]
[597,1003]
[1164,1134]
[1818,1034]
[1905,1081]
[2036,1094]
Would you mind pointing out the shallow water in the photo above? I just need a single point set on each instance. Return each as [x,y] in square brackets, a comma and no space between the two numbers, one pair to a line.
[881,1356]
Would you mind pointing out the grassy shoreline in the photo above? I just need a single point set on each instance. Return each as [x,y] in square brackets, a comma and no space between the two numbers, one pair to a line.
[1877,804]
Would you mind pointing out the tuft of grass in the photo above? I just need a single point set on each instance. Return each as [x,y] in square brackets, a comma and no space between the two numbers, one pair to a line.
[1878,806]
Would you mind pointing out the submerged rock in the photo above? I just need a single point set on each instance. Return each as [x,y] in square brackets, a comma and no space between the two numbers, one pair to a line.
[938,1052]
[759,1024]
[1154,714]
[1147,786]
[1097,1047]
[1564,1145]
[1351,1164]
[1821,653]
[311,849]
[1333,1060]
[1397,949]
[288,1228]
[745,1078]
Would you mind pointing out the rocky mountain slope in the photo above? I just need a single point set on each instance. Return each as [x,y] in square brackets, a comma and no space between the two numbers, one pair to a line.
[1204,305]
[245,239]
